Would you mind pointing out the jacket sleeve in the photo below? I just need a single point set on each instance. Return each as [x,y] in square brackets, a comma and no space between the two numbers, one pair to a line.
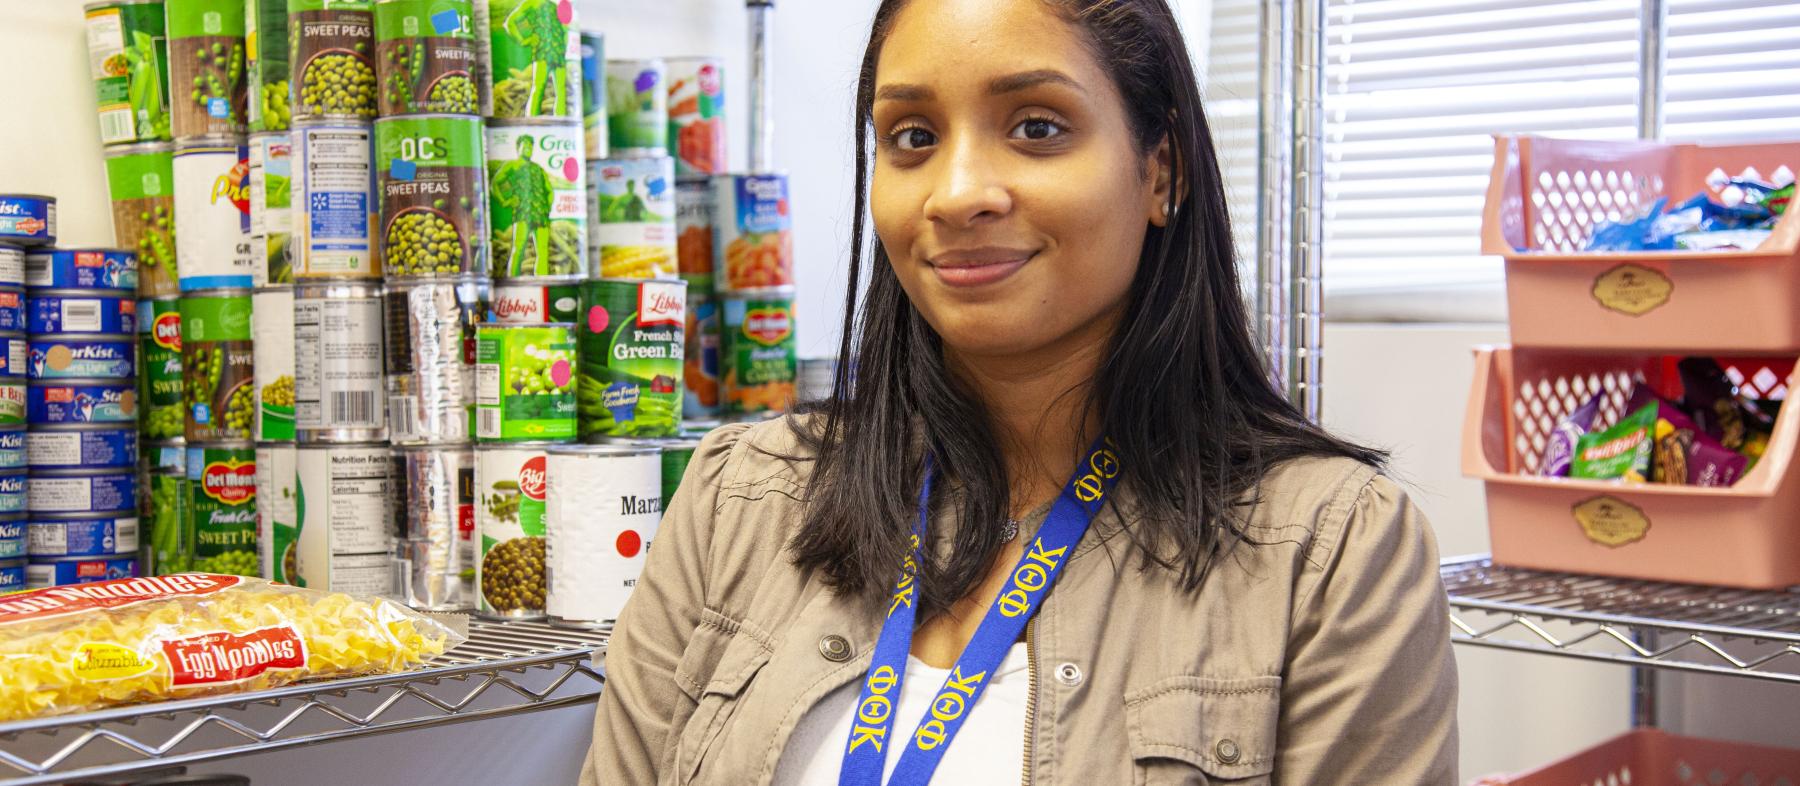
[1369,693]
[642,700]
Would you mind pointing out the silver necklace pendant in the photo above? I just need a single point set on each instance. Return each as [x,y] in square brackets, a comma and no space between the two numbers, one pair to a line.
[1010,531]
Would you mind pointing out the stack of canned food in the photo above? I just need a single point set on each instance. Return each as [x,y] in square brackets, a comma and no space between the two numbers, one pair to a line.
[26,221]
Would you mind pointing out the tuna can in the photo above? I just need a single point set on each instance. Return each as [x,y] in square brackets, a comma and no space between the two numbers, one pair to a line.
[83,535]
[12,258]
[757,332]
[90,268]
[431,360]
[531,76]
[218,365]
[80,401]
[15,402]
[629,349]
[212,208]
[278,513]
[12,576]
[14,354]
[12,537]
[13,451]
[695,214]
[206,67]
[339,379]
[266,59]
[14,491]
[334,190]
[12,310]
[80,311]
[271,208]
[169,542]
[637,107]
[221,506]
[27,219]
[530,302]
[754,244]
[346,537]
[332,42]
[593,92]
[634,207]
[524,382]
[81,490]
[159,369]
[677,453]
[605,502]
[89,446]
[700,367]
[537,198]
[141,182]
[81,357]
[273,376]
[129,58]
[438,511]
[509,516]
[64,571]
[697,115]
[433,193]
[425,57]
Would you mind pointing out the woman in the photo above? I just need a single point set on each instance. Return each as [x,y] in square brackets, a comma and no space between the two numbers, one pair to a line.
[1219,593]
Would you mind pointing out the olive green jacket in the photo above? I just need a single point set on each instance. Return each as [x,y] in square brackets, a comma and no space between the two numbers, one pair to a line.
[1320,655]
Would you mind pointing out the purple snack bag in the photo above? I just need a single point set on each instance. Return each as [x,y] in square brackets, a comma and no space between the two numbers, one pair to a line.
[1559,455]
[1683,454]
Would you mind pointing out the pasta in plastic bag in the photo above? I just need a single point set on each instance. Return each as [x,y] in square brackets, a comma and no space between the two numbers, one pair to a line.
[86,646]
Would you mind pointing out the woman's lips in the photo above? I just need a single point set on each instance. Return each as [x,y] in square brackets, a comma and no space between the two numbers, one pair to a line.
[978,269]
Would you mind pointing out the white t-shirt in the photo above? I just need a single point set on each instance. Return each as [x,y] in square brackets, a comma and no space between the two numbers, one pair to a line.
[990,747]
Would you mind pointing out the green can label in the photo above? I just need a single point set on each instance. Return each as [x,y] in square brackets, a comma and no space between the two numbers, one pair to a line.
[593,93]
[758,344]
[331,45]
[266,58]
[631,346]
[221,491]
[535,51]
[129,60]
[511,485]
[697,116]
[159,364]
[168,533]
[277,514]
[425,57]
[432,176]
[637,106]
[206,67]
[218,364]
[537,200]
[141,181]
[676,454]
[524,382]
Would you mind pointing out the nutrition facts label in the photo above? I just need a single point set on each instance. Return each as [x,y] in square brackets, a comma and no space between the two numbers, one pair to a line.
[338,363]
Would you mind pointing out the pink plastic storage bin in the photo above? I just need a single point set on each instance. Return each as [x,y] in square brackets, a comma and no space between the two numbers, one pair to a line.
[1747,535]
[1649,757]
[1546,195]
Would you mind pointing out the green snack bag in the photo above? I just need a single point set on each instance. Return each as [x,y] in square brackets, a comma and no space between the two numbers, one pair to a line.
[1622,452]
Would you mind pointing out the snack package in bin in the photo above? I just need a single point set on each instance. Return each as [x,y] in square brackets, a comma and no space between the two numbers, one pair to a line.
[88,646]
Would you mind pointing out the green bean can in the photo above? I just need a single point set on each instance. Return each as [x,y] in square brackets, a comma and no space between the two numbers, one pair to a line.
[593,93]
[537,198]
[141,181]
[217,365]
[637,107]
[676,453]
[534,51]
[159,369]
[757,341]
[206,67]
[128,57]
[266,58]
[221,506]
[432,177]
[524,382]
[168,540]
[331,49]
[630,344]
[425,57]
[277,513]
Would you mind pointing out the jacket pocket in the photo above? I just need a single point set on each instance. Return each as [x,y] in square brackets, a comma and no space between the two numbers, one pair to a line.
[737,668]
[1196,731]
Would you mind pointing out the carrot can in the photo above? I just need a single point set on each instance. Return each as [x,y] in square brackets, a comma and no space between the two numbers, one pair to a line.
[753,242]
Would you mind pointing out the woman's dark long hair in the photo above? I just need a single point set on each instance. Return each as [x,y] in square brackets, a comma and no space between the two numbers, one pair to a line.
[1182,390]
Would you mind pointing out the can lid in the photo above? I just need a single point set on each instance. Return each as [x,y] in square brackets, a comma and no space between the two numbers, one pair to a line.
[537,122]
[229,293]
[636,448]
[71,338]
[63,251]
[209,143]
[539,281]
[81,515]
[753,293]
[18,562]
[359,444]
[340,289]
[134,148]
[82,472]
[569,325]
[416,282]
[53,428]
[84,382]
[122,557]
[39,197]
[540,445]
[76,292]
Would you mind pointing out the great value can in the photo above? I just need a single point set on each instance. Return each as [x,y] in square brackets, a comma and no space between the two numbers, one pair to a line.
[760,364]
[271,211]
[534,48]
[12,310]
[14,491]
[700,366]
[80,311]
[169,543]
[273,376]
[13,357]
[677,453]
[755,240]
[206,67]
[437,509]
[425,57]
[593,93]
[431,360]
[266,59]
[332,42]
[509,514]
[81,490]
[140,179]
[339,379]
[346,537]
[83,534]
[212,208]
[12,537]
[530,302]
[159,369]
[629,344]
[13,452]
[62,572]
[697,115]
[218,362]
[89,268]
[635,210]
[81,357]
[334,197]
[221,489]
[278,513]
[433,194]
[637,107]
[537,198]
[524,382]
[128,58]
[79,401]
[27,219]
[604,507]
[88,446]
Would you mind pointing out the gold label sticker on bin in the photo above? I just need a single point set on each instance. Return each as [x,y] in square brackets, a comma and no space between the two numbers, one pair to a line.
[1633,290]
[1611,522]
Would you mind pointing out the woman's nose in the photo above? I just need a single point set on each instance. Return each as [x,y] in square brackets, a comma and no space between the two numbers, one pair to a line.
[968,187]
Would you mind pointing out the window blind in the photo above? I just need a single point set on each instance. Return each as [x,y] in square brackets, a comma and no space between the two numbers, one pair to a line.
[1733,71]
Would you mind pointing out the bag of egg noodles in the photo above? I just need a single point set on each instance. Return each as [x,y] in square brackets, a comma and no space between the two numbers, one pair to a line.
[87,646]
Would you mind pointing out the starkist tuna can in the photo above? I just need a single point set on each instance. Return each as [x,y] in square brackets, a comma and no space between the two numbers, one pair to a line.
[85,446]
[81,311]
[27,219]
[12,576]
[432,173]
[81,401]
[524,382]
[85,268]
[98,534]
[13,357]
[13,491]
[81,490]
[81,357]
[12,447]
[12,537]
[47,572]
[12,310]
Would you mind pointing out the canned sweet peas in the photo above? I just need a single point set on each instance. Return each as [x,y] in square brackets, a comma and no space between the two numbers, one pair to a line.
[524,382]
[217,365]
[76,311]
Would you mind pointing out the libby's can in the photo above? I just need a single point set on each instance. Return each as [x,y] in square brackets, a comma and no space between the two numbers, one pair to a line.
[339,381]
[634,211]
[425,57]
[509,515]
[537,198]
[218,365]
[277,513]
[697,115]
[637,107]
[206,67]
[433,194]
[530,302]
[760,364]
[140,180]
[334,199]
[212,210]
[431,360]
[129,57]
[332,42]
[629,347]
[221,508]
[604,506]
[271,213]
[273,374]
[159,369]
[346,538]
[524,382]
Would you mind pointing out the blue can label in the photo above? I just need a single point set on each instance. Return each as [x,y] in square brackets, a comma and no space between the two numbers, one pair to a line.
[82,269]
[83,313]
[81,358]
[40,574]
[12,577]
[12,539]
[100,536]
[12,310]
[12,448]
[165,457]
[82,493]
[13,353]
[12,492]
[27,220]
[97,449]
[103,402]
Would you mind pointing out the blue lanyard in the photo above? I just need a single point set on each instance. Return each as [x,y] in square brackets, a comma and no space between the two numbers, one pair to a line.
[866,752]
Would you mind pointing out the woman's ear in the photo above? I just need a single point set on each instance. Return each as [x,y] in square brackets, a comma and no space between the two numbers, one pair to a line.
[1166,190]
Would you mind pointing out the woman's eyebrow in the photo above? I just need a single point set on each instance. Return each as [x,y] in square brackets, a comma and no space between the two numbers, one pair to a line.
[1025,80]
[903,92]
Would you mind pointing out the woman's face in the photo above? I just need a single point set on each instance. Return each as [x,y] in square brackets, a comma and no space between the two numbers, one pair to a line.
[1007,190]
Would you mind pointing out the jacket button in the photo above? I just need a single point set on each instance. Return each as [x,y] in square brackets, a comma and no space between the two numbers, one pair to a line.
[1068,674]
[1227,751]
[835,648]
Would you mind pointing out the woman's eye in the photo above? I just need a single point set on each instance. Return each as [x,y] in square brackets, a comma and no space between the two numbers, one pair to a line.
[913,138]
[1036,129]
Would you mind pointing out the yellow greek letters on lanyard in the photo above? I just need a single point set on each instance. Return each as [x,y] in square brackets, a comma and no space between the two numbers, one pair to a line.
[1104,465]
[948,706]
[1029,577]
[903,590]
[874,709]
